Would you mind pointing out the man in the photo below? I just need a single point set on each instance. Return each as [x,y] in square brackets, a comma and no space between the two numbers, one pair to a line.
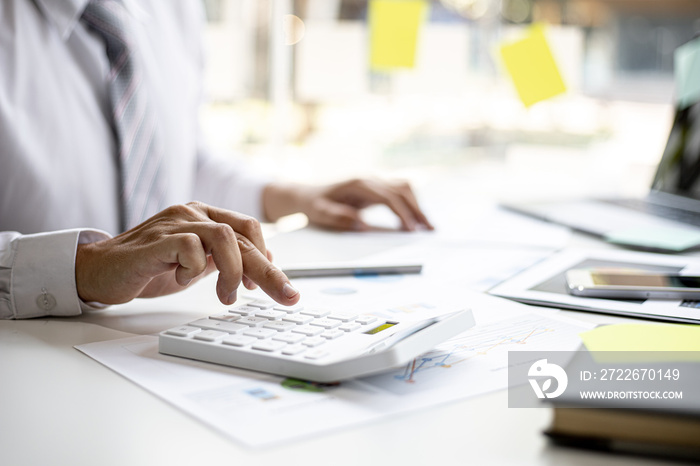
[99,137]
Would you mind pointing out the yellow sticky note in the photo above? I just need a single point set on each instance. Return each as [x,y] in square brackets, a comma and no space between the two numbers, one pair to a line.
[649,338]
[394,26]
[531,65]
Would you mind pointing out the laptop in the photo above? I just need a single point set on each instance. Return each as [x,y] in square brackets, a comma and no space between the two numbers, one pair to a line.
[667,219]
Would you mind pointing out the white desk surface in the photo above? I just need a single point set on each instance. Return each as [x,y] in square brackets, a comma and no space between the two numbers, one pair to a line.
[59,407]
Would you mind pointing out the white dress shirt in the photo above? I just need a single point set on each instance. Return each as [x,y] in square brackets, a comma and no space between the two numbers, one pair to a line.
[58,169]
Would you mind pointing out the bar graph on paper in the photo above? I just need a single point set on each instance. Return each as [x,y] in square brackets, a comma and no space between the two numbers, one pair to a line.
[482,350]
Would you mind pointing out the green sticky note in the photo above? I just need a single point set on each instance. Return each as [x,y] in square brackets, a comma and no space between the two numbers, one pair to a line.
[686,62]
[394,27]
[531,66]
[643,337]
[670,239]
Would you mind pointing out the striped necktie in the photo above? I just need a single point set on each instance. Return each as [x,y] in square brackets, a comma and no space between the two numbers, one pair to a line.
[139,159]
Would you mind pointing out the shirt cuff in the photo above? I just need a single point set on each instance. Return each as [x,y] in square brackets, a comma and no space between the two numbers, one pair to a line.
[252,195]
[43,273]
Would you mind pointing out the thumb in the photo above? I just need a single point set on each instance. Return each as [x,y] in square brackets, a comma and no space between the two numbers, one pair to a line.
[337,216]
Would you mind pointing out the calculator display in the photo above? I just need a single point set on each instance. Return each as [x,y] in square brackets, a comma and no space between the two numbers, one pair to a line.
[382,327]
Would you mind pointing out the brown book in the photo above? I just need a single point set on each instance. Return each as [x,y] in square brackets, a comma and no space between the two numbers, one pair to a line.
[654,432]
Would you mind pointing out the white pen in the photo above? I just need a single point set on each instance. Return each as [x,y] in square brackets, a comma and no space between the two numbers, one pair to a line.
[310,272]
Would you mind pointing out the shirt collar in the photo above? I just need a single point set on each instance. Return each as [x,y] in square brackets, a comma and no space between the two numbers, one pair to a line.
[65,14]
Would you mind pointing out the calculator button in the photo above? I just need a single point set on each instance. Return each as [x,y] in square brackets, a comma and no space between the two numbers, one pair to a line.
[238,340]
[289,337]
[262,304]
[315,312]
[367,319]
[183,331]
[244,310]
[298,319]
[252,321]
[332,334]
[210,335]
[201,323]
[349,327]
[289,309]
[226,317]
[230,327]
[268,345]
[279,325]
[325,323]
[313,341]
[291,350]
[211,324]
[343,316]
[317,353]
[307,330]
[260,332]
[269,314]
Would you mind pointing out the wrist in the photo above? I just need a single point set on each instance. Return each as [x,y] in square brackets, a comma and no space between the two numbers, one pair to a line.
[281,199]
[82,273]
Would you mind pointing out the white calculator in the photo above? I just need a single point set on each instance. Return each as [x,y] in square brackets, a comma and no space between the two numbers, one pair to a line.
[309,343]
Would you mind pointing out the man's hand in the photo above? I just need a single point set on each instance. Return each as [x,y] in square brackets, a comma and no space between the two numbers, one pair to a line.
[173,249]
[338,206]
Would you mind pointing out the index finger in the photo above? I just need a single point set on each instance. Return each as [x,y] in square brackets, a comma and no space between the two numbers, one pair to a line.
[396,203]
[260,270]
[407,194]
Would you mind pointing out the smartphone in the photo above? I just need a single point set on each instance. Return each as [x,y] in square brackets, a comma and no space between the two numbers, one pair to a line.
[615,283]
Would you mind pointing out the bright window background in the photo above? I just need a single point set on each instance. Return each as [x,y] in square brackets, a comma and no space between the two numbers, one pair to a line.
[314,111]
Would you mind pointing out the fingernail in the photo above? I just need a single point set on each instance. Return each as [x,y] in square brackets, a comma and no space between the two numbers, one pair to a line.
[232,297]
[289,291]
